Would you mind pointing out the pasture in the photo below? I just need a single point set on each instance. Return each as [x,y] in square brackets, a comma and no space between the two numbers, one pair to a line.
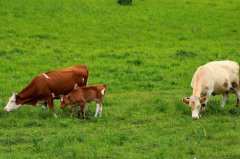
[146,53]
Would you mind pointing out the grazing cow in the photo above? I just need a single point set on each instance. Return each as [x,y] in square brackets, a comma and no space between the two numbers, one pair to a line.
[48,86]
[82,95]
[219,77]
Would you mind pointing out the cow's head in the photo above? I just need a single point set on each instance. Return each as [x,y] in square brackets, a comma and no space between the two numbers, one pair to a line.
[195,104]
[13,103]
[64,101]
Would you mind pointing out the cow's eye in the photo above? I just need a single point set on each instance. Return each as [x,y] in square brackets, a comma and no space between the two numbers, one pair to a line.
[13,101]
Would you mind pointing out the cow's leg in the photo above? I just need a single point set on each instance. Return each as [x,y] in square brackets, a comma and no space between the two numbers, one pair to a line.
[86,108]
[236,89]
[79,112]
[71,112]
[237,102]
[51,106]
[98,108]
[225,97]
[208,95]
[83,109]
[238,97]
[44,107]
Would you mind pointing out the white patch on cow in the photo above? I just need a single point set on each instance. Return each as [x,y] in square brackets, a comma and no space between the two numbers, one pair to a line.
[62,99]
[46,76]
[103,91]
[53,95]
[11,106]
[41,102]
[76,85]
[195,113]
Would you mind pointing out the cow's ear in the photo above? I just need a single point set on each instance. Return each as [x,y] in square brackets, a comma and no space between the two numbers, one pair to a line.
[16,95]
[203,99]
[69,97]
[186,100]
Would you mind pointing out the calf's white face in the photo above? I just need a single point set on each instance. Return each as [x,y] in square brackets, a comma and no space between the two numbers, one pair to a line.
[11,106]
[195,104]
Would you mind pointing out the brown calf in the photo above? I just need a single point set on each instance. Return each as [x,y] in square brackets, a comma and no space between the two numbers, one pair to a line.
[83,95]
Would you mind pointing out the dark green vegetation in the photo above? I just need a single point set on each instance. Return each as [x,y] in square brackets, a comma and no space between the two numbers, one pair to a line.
[146,53]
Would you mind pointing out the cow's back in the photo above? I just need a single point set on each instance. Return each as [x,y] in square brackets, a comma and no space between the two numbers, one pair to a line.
[218,76]
[57,82]
[88,92]
[65,80]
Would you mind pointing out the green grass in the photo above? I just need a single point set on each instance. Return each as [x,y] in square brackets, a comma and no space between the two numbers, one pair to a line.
[146,53]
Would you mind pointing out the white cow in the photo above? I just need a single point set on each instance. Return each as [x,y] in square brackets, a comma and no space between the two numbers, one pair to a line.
[214,78]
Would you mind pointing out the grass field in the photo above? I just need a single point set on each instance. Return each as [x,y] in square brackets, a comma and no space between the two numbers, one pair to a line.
[146,53]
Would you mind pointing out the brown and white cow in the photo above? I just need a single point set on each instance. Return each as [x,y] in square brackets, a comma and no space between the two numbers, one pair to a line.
[48,86]
[219,77]
[82,95]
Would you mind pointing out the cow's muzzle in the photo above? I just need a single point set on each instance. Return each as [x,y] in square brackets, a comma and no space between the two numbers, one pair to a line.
[195,117]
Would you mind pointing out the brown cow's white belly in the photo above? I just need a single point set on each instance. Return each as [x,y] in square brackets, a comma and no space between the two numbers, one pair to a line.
[42,102]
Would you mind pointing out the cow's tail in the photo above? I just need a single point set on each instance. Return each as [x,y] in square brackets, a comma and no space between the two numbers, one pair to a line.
[105,86]
[87,77]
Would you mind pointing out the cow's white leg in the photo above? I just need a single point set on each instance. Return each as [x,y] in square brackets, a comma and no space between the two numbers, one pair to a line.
[51,106]
[54,114]
[97,109]
[44,108]
[225,97]
[100,110]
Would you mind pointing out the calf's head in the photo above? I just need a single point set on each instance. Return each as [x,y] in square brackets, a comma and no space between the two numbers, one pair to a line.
[13,103]
[64,101]
[195,104]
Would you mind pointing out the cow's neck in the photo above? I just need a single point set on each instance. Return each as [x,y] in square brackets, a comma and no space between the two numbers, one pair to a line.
[26,95]
[197,89]
[24,100]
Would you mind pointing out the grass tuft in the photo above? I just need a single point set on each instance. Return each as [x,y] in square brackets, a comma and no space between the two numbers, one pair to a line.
[125,2]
